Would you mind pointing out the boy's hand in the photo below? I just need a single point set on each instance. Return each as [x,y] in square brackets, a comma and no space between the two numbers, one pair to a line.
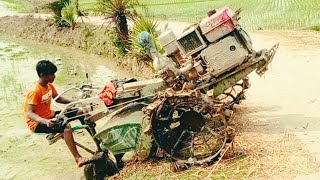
[51,122]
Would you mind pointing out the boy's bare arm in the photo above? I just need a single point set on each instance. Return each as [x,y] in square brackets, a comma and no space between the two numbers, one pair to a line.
[63,100]
[32,115]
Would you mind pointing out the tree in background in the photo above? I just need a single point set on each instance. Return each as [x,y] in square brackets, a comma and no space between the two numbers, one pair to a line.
[65,12]
[57,6]
[68,14]
[118,12]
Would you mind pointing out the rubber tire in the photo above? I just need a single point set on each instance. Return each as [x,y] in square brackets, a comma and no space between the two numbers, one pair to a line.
[89,172]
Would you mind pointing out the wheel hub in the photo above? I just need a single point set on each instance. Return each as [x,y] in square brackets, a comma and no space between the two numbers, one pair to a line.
[192,120]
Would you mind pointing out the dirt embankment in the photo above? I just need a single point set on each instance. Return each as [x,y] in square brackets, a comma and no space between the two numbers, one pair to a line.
[87,37]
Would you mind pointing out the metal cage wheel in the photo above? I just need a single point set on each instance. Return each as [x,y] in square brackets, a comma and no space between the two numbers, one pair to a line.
[186,135]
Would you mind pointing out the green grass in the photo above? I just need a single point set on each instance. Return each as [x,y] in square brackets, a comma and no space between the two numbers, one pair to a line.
[314,28]
[18,55]
[87,5]
[256,14]
[17,5]
[7,49]
[265,14]
[10,84]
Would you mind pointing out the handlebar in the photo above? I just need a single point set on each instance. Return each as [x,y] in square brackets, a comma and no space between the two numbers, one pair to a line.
[59,95]
[72,104]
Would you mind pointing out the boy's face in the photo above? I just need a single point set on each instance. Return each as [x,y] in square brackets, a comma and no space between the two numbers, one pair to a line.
[49,78]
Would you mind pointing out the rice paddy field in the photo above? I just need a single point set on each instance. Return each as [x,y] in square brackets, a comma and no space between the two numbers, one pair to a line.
[256,14]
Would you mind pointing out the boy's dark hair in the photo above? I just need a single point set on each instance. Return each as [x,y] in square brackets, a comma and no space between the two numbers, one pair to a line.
[45,68]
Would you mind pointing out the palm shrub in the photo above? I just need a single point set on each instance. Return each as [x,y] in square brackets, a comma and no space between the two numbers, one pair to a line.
[145,23]
[68,15]
[64,12]
[118,13]
[57,6]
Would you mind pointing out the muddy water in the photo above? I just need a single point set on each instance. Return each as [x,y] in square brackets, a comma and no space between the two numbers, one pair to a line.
[17,72]
[22,154]
[4,10]
[14,78]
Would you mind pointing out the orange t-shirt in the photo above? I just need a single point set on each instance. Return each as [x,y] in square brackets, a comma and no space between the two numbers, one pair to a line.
[40,97]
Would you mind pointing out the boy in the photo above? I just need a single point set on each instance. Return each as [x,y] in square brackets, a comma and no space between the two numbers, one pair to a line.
[38,115]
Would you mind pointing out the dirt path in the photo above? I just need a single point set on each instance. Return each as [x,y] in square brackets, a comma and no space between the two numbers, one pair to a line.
[286,100]
[280,117]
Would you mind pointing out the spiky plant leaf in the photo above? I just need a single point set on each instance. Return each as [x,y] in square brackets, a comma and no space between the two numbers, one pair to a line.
[118,13]
[146,23]
[57,6]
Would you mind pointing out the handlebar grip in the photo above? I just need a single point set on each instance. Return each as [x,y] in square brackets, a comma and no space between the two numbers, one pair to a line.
[79,127]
